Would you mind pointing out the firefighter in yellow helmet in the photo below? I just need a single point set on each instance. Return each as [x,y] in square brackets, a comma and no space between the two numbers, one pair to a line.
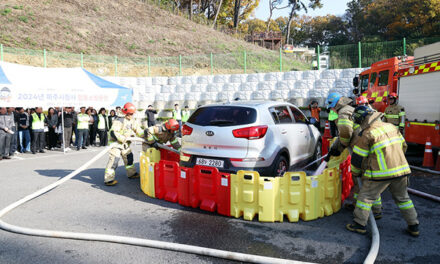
[394,113]
[163,134]
[122,128]
[379,158]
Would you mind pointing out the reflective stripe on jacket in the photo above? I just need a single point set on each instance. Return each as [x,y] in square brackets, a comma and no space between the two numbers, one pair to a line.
[344,121]
[395,114]
[379,153]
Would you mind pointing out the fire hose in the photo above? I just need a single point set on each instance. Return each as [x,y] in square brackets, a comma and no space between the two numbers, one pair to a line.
[122,239]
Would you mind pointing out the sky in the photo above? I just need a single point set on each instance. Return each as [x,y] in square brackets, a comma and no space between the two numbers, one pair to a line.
[333,7]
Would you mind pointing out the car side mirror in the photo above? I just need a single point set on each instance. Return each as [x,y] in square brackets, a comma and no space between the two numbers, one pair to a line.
[355,91]
[356,81]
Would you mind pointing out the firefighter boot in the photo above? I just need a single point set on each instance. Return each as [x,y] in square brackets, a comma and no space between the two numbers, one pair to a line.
[413,230]
[357,228]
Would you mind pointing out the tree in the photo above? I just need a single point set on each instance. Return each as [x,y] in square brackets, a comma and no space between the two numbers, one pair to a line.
[227,12]
[296,6]
[273,4]
[258,26]
[216,13]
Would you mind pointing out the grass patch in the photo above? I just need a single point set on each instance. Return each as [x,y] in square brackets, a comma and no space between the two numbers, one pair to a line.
[18,7]
[23,19]
[5,11]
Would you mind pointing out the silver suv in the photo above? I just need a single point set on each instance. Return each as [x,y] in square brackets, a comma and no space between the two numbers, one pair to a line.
[265,136]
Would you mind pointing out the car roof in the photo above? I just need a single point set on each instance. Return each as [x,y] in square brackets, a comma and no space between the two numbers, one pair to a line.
[249,103]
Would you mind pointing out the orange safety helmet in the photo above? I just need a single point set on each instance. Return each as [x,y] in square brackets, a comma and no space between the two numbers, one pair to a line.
[393,95]
[172,125]
[128,108]
[361,100]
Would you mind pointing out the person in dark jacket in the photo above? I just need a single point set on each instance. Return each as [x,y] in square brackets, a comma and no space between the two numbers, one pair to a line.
[111,117]
[68,125]
[14,116]
[150,116]
[37,121]
[23,131]
[52,123]
[93,128]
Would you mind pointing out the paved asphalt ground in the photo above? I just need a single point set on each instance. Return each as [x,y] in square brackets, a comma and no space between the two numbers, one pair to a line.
[85,204]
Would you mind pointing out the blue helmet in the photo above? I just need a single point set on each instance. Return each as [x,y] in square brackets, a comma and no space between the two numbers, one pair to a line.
[332,99]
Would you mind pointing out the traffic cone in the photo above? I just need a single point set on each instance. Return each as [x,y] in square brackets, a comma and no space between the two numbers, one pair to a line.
[437,164]
[428,159]
[326,139]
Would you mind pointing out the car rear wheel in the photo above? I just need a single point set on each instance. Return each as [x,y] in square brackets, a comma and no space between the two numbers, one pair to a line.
[281,166]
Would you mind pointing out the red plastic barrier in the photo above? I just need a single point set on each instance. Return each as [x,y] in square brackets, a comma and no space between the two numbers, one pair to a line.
[169,155]
[347,180]
[224,194]
[166,180]
[211,190]
[184,186]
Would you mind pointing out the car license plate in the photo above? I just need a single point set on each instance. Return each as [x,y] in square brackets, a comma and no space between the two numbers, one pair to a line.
[210,162]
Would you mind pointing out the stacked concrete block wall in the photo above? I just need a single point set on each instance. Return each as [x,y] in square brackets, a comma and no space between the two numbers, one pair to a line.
[296,87]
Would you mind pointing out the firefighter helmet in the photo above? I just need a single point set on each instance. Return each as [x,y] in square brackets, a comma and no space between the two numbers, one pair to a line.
[360,113]
[172,125]
[393,96]
[332,99]
[128,108]
[361,100]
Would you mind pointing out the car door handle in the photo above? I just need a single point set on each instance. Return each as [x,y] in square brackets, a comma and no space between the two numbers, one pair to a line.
[283,131]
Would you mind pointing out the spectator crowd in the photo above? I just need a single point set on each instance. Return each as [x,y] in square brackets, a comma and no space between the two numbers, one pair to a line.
[34,131]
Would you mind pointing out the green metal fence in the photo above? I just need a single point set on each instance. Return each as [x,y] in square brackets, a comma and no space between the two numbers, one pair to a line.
[364,54]
[343,56]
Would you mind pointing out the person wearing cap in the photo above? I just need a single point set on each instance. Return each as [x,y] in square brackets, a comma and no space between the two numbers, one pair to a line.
[394,113]
[122,129]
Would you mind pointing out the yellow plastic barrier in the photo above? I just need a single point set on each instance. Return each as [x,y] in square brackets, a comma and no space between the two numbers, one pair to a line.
[291,197]
[147,172]
[313,197]
[267,202]
[153,154]
[331,188]
[244,194]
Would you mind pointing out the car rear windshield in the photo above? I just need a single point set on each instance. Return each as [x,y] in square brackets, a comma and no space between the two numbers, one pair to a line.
[223,116]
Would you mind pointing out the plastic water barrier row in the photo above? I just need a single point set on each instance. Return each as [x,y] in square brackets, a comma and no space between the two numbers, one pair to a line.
[246,194]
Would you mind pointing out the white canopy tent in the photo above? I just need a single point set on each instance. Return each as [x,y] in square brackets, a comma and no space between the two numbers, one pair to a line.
[27,86]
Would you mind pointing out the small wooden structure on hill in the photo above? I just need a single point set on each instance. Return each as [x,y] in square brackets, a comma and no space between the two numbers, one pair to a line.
[269,40]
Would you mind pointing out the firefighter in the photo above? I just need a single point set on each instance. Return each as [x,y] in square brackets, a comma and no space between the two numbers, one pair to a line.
[122,128]
[341,106]
[361,100]
[162,134]
[394,113]
[379,158]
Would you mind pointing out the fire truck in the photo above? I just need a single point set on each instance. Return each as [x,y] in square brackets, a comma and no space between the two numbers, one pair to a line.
[416,80]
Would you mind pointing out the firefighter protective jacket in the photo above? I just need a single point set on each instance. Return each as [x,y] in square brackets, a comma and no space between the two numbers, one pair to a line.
[379,153]
[123,128]
[344,122]
[395,114]
[160,134]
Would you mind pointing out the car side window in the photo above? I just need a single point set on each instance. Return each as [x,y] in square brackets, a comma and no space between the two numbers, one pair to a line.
[283,115]
[298,115]
[274,115]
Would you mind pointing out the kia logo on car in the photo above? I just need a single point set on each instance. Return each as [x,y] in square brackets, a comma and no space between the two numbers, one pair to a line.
[209,133]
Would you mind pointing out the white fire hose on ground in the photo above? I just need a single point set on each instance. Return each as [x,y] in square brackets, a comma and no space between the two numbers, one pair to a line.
[122,239]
